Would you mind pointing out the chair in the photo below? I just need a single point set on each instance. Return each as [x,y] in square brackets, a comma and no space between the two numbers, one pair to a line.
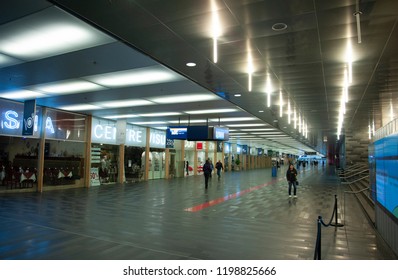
[12,179]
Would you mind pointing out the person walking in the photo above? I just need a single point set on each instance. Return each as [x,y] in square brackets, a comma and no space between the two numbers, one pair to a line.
[207,172]
[219,167]
[291,176]
[187,167]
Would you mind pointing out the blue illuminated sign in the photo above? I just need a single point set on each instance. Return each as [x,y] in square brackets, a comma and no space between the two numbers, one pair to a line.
[11,119]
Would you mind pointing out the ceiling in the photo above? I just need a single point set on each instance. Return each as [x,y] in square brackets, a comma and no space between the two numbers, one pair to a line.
[123,57]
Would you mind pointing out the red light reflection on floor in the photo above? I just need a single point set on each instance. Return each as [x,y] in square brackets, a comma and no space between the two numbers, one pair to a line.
[227,197]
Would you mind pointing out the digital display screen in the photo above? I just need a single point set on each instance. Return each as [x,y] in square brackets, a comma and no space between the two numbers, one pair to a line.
[198,133]
[177,132]
[220,133]
[384,159]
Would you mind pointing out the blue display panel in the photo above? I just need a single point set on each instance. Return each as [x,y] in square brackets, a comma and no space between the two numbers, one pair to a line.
[198,133]
[11,119]
[385,162]
[176,132]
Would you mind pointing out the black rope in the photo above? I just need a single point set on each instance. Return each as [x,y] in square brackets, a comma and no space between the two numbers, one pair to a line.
[317,253]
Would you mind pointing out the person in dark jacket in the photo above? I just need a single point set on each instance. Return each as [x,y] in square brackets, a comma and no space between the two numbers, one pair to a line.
[291,176]
[207,171]
[219,167]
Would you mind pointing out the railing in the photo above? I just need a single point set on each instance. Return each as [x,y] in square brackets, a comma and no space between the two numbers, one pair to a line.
[361,191]
[317,253]
[353,174]
[354,181]
[367,204]
[351,169]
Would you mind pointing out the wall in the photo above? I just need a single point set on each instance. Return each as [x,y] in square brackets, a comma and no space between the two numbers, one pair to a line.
[387,228]
[356,146]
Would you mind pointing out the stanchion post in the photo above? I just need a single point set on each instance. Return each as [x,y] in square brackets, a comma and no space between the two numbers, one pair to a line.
[317,253]
[320,237]
[335,213]
[335,208]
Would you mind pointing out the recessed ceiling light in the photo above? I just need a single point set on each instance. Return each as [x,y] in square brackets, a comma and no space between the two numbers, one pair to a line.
[191,64]
[210,111]
[154,122]
[261,111]
[279,26]
[234,119]
[246,125]
[68,87]
[21,94]
[164,114]
[187,121]
[184,98]
[238,95]
[121,116]
[51,32]
[135,77]
[259,129]
[124,103]
[80,107]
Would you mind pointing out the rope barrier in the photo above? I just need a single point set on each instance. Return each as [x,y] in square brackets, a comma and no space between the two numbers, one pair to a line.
[317,253]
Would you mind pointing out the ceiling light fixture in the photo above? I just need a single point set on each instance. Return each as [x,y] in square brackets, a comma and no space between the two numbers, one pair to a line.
[295,118]
[210,111]
[259,129]
[80,107]
[357,15]
[68,87]
[21,94]
[299,122]
[164,114]
[370,132]
[216,29]
[135,77]
[268,90]
[246,125]
[51,32]
[191,64]
[280,26]
[249,70]
[121,116]
[187,121]
[184,98]
[152,122]
[349,60]
[233,119]
[124,103]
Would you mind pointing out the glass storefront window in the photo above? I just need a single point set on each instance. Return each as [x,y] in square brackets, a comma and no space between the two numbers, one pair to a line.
[65,126]
[63,164]
[133,165]
[18,163]
[64,149]
[104,160]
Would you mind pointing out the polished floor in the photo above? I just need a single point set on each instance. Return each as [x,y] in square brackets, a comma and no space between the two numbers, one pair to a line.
[244,215]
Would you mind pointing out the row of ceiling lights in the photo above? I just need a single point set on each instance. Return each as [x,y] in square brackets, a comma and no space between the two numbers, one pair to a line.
[298,118]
